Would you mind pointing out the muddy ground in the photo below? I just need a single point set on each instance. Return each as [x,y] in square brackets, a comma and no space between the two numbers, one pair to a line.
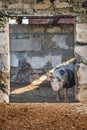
[34,107]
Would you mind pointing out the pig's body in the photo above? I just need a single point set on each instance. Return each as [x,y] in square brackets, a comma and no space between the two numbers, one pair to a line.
[63,77]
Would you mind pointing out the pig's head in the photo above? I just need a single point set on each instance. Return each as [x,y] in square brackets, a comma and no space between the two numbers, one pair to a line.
[56,82]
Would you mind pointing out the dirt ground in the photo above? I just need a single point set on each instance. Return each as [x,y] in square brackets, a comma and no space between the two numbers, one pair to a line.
[34,107]
[32,93]
[43,116]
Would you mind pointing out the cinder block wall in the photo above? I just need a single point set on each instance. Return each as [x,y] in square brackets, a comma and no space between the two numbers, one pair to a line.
[34,50]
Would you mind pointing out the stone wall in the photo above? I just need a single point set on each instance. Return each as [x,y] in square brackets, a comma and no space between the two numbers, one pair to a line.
[81,56]
[46,8]
[34,50]
[4,65]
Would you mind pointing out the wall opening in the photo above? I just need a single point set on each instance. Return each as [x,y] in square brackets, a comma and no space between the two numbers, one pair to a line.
[37,45]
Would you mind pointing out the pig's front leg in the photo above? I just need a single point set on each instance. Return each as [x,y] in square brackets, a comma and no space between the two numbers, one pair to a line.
[58,96]
[66,95]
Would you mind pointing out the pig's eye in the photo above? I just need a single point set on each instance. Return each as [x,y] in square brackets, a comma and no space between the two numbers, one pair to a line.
[59,79]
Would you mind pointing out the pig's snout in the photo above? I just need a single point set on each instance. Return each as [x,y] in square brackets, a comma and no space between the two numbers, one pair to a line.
[55,85]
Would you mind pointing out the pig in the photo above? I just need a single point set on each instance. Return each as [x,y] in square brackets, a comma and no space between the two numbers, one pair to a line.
[62,77]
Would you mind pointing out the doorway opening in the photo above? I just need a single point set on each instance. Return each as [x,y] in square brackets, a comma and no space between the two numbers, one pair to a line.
[37,45]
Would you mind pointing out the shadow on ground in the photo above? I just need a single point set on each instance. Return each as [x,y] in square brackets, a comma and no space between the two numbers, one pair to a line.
[38,94]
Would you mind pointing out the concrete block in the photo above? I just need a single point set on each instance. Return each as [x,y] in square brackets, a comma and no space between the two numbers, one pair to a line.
[39,62]
[54,29]
[38,29]
[25,44]
[67,28]
[14,62]
[61,41]
[20,28]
